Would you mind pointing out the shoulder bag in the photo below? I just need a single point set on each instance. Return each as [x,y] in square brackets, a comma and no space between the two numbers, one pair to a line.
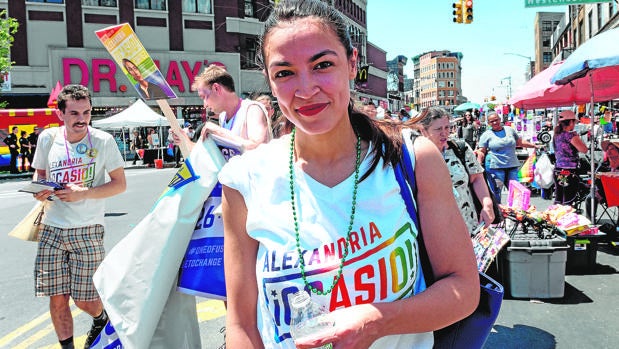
[28,228]
[472,331]
[459,148]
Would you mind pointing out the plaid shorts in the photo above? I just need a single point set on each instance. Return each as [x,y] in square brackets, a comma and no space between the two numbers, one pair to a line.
[66,261]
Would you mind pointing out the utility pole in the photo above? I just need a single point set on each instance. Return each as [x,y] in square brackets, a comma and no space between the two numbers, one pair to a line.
[509,86]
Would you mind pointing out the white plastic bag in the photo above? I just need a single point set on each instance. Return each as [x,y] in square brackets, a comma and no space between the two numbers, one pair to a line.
[543,173]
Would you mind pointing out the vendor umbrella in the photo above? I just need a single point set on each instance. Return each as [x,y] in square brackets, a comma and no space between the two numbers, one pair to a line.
[467,106]
[540,92]
[596,62]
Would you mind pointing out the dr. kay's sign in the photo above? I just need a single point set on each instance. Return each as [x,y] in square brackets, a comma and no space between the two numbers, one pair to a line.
[102,75]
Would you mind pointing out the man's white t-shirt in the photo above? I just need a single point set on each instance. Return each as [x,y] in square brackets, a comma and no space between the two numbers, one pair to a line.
[382,265]
[84,163]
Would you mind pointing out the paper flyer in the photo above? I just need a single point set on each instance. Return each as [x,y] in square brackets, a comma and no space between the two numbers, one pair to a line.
[127,50]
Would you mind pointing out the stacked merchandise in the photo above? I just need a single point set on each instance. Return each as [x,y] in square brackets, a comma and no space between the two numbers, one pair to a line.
[556,219]
[487,244]
[566,219]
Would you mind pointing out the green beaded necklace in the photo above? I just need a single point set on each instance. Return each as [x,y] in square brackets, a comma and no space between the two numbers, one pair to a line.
[296,222]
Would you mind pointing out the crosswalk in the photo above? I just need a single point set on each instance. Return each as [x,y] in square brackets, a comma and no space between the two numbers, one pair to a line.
[39,331]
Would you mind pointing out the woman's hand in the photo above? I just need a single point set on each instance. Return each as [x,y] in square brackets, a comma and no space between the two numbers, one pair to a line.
[487,213]
[354,328]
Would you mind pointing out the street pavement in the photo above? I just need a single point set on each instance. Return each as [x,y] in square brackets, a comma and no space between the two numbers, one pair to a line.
[585,317]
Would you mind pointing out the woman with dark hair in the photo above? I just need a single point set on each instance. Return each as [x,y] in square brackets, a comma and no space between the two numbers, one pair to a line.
[468,130]
[434,124]
[567,144]
[24,147]
[320,209]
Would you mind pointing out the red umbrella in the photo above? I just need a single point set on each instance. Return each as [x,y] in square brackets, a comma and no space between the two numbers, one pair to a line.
[539,92]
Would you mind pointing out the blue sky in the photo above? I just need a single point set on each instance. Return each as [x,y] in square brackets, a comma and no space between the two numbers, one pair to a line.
[411,27]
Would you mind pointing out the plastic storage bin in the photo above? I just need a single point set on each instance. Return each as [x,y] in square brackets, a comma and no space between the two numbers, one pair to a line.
[582,253]
[534,268]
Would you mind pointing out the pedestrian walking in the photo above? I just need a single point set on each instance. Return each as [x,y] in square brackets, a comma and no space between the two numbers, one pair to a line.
[12,142]
[137,143]
[467,130]
[33,138]
[70,249]
[24,149]
[467,175]
[497,152]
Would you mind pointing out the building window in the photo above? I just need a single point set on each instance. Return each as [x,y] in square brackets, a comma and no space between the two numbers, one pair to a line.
[546,26]
[150,4]
[547,58]
[590,19]
[249,8]
[48,1]
[197,6]
[248,54]
[102,3]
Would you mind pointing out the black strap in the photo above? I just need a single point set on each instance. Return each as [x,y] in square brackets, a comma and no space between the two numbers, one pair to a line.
[459,148]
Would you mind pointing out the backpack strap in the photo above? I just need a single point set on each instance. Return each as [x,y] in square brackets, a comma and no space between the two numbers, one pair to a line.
[459,148]
[405,176]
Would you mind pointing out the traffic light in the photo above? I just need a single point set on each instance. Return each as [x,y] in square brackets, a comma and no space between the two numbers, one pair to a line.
[468,11]
[457,11]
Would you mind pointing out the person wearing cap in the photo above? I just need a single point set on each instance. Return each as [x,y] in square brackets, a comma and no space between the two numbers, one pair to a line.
[33,138]
[567,145]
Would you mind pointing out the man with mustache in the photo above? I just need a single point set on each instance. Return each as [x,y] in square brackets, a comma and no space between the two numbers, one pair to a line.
[70,249]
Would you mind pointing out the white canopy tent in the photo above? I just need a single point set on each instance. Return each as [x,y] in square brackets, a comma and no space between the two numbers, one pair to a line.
[137,115]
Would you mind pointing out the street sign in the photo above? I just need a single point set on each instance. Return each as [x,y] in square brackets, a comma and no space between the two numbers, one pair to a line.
[542,3]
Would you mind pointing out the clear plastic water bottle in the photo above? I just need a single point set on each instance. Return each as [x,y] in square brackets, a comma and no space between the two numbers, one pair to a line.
[308,319]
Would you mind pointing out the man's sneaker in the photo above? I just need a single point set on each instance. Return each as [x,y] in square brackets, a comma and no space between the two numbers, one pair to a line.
[95,330]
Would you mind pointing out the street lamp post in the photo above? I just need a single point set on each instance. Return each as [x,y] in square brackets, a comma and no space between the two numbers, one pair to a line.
[509,86]
[529,71]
